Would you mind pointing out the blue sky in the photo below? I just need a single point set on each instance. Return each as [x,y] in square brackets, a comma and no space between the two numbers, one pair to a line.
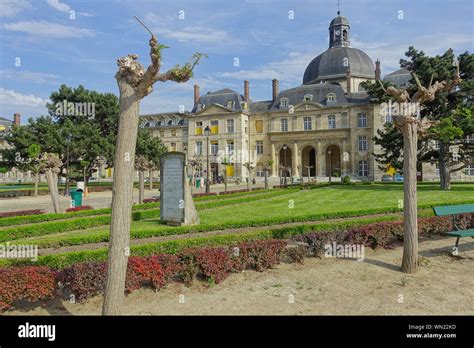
[54,49]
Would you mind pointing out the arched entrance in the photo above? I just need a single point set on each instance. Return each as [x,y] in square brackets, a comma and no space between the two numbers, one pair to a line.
[308,158]
[333,160]
[285,161]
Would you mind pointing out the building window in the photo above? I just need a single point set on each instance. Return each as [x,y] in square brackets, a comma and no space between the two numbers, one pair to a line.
[308,98]
[363,168]
[362,143]
[259,172]
[388,118]
[470,170]
[332,122]
[331,97]
[259,147]
[259,126]
[198,148]
[230,147]
[198,128]
[307,123]
[230,126]
[214,148]
[470,139]
[230,104]
[214,127]
[437,169]
[162,134]
[284,125]
[173,146]
[361,120]
[284,102]
[435,145]
[173,132]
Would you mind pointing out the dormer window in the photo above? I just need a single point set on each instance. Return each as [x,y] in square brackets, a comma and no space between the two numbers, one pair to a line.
[331,98]
[308,98]
[284,102]
[230,104]
[200,106]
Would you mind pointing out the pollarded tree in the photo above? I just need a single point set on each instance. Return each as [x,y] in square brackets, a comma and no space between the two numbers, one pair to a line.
[134,84]
[51,164]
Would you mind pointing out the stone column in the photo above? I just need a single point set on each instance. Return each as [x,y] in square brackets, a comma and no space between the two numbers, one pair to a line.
[320,158]
[294,165]
[274,164]
[343,162]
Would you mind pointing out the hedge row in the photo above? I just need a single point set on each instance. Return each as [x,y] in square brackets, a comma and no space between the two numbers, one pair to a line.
[12,233]
[87,279]
[13,221]
[17,213]
[434,224]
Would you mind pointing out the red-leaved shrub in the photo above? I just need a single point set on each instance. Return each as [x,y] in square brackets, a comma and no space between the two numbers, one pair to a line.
[22,213]
[30,283]
[214,264]
[258,255]
[82,207]
[85,279]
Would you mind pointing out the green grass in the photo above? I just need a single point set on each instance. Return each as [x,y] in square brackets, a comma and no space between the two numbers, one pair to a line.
[270,208]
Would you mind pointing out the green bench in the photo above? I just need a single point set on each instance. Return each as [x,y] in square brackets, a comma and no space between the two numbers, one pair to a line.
[454,210]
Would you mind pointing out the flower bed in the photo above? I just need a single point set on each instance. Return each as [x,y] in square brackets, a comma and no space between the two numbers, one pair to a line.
[22,213]
[82,207]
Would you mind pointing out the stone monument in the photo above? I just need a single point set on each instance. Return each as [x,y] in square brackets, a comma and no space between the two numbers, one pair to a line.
[176,201]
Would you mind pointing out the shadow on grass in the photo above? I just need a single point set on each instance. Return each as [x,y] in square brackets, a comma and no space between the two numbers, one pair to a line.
[389,266]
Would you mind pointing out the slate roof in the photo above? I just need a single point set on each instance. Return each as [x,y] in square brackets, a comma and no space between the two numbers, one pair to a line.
[5,121]
[260,106]
[221,97]
[320,93]
[339,20]
[399,78]
[330,64]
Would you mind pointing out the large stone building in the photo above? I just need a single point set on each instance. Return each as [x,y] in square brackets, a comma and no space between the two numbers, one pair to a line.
[324,126]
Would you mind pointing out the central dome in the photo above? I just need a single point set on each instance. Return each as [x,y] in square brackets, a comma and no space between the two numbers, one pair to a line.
[339,58]
[335,62]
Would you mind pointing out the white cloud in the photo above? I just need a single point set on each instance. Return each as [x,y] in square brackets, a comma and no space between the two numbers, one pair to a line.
[30,76]
[12,7]
[63,7]
[48,29]
[9,97]
[170,27]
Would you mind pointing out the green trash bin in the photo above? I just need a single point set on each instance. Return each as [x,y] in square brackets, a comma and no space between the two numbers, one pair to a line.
[76,196]
[198,182]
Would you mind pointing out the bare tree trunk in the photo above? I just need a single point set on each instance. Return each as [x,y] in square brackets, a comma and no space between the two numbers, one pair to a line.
[266,179]
[121,199]
[150,173]
[53,189]
[410,235]
[225,179]
[141,190]
[444,170]
[35,192]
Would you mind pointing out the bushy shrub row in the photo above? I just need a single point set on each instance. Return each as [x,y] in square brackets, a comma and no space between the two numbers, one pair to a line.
[7,214]
[82,207]
[86,279]
[378,235]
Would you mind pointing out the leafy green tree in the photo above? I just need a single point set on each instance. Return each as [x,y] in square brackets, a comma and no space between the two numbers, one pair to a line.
[450,114]
[148,152]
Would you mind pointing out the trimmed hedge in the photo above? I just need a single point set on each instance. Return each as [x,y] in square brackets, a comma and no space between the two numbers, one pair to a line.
[21,213]
[435,225]
[86,279]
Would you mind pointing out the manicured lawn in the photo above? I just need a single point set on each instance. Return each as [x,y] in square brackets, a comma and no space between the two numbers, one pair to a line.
[301,203]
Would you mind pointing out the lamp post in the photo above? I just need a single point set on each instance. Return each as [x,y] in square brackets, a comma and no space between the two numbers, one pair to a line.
[207,131]
[68,141]
[330,165]
[284,160]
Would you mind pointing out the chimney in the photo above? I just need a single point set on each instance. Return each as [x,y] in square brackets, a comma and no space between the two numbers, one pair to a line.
[16,119]
[196,94]
[274,89]
[246,91]
[348,78]
[377,70]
